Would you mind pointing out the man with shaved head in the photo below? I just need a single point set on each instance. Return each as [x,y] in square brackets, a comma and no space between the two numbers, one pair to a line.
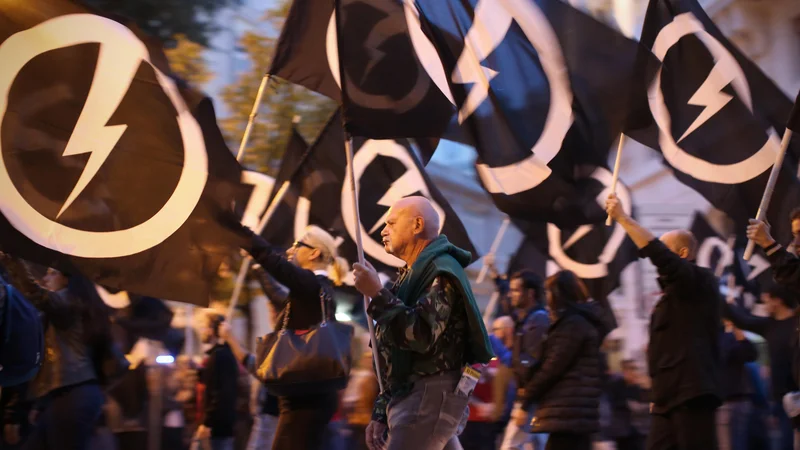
[428,329]
[683,355]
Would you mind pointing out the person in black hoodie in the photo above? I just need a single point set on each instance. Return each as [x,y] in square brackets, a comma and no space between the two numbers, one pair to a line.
[683,354]
[567,380]
[309,268]
[220,377]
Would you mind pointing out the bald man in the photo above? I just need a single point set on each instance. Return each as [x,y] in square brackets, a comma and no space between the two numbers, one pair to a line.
[428,329]
[683,355]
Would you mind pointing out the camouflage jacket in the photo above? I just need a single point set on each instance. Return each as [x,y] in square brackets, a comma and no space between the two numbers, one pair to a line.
[434,329]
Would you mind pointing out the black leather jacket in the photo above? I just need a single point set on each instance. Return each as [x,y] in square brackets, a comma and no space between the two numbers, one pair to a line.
[68,359]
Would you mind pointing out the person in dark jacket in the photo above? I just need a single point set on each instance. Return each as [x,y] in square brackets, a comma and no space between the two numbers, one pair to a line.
[308,269]
[733,416]
[220,377]
[567,381]
[69,399]
[779,329]
[526,292]
[683,353]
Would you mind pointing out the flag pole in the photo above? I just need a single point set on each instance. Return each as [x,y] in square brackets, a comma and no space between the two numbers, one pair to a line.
[793,124]
[487,314]
[615,177]
[493,249]
[252,119]
[773,180]
[237,289]
[348,144]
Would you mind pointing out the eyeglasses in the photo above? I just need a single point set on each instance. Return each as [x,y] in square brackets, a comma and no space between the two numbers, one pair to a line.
[302,244]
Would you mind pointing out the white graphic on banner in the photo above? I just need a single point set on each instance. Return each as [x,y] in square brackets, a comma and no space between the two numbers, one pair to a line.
[410,182]
[600,268]
[492,21]
[726,71]
[119,58]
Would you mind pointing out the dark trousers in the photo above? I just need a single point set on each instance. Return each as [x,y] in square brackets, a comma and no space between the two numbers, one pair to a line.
[566,441]
[785,426]
[633,442]
[691,426]
[478,435]
[68,420]
[303,421]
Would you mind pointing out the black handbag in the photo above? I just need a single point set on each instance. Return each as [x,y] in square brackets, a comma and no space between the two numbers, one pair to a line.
[316,361]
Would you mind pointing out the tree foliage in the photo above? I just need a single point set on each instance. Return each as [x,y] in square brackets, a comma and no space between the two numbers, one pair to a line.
[166,19]
[187,62]
[281,102]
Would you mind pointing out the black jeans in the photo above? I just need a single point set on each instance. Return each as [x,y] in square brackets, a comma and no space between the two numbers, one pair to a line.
[566,441]
[303,420]
[691,426]
[68,420]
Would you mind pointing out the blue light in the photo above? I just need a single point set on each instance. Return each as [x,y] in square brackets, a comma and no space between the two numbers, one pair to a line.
[165,359]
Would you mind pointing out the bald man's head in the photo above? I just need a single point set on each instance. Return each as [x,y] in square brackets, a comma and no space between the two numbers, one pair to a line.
[411,222]
[682,243]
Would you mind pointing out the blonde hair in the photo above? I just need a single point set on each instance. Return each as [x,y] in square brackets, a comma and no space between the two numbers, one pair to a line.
[326,244]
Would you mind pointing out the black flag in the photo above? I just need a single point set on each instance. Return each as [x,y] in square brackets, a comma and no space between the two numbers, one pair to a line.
[387,93]
[717,119]
[595,253]
[724,257]
[794,117]
[540,88]
[385,170]
[108,167]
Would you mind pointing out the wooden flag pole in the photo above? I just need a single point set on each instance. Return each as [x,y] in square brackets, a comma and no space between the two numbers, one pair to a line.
[498,238]
[615,177]
[773,179]
[487,314]
[237,288]
[348,144]
[252,119]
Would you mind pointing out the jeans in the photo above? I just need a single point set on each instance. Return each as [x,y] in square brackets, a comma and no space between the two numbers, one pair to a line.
[732,425]
[225,443]
[520,438]
[263,432]
[789,436]
[430,417]
[68,421]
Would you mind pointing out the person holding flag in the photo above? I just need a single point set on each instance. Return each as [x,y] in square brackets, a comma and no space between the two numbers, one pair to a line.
[429,332]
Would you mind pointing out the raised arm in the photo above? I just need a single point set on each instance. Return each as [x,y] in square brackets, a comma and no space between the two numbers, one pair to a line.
[58,307]
[785,266]
[276,294]
[744,320]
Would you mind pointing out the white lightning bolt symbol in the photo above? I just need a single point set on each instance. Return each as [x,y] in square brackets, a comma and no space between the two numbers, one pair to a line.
[489,27]
[112,78]
[758,265]
[404,186]
[710,94]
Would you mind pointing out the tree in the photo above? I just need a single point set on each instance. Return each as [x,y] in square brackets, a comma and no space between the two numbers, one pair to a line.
[281,102]
[194,19]
[186,61]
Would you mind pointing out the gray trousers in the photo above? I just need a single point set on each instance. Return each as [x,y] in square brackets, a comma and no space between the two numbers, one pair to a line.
[430,417]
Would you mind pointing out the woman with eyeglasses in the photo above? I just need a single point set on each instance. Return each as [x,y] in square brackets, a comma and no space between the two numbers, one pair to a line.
[293,281]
